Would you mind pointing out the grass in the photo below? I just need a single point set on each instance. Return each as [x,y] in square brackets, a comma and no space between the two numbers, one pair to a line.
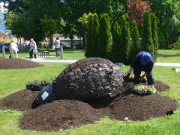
[15,79]
[169,56]
[68,54]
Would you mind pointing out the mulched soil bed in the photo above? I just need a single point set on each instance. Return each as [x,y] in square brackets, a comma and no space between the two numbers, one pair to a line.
[64,114]
[15,63]
[73,113]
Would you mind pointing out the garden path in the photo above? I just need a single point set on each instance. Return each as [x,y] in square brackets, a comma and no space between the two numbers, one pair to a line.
[72,61]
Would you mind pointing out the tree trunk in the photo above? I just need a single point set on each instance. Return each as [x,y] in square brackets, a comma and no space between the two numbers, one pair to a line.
[72,42]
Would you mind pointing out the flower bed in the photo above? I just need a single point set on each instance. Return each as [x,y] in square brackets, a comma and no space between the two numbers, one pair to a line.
[141,89]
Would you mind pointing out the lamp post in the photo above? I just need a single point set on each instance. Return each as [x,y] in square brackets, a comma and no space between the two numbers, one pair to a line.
[61,46]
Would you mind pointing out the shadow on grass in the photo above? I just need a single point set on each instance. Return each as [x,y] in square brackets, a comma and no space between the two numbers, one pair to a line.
[168,55]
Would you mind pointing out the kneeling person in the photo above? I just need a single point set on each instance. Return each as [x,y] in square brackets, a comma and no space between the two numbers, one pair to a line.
[142,62]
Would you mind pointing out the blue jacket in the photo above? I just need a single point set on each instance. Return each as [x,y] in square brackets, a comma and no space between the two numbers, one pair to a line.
[136,64]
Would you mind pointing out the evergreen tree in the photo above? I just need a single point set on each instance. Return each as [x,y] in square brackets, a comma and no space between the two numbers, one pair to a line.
[116,43]
[89,37]
[135,42]
[154,34]
[125,37]
[147,42]
[104,36]
[94,52]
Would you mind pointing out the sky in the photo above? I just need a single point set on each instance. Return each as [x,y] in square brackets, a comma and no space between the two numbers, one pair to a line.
[2,27]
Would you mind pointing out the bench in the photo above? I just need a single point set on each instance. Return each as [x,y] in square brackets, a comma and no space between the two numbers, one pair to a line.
[45,53]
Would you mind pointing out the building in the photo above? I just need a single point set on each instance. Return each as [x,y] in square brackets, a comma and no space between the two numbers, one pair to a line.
[5,35]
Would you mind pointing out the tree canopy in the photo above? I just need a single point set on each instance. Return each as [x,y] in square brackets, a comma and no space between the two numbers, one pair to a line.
[67,12]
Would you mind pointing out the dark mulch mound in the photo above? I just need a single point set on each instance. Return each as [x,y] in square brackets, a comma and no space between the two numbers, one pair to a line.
[20,101]
[15,63]
[72,113]
[160,86]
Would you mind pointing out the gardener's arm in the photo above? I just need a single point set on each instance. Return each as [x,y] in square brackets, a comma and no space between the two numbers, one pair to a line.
[130,70]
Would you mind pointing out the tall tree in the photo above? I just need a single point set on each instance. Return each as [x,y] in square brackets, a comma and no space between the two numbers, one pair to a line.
[31,12]
[125,36]
[134,50]
[49,27]
[84,27]
[136,9]
[116,43]
[95,36]
[154,35]
[89,37]
[164,11]
[147,42]
[104,36]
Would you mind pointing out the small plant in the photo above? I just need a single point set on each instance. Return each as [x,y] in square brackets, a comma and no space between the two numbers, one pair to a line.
[141,89]
[37,85]
[176,45]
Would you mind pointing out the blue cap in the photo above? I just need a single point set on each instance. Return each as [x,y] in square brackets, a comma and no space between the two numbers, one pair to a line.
[145,58]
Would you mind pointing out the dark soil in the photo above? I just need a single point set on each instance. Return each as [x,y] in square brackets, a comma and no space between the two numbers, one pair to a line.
[15,63]
[73,113]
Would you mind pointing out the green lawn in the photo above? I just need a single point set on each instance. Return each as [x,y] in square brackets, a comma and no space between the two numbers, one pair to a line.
[68,54]
[15,79]
[169,56]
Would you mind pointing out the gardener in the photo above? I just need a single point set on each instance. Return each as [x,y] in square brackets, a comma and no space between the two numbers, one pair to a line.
[142,62]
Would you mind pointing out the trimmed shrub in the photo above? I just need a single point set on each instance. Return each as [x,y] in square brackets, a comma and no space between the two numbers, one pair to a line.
[104,36]
[89,37]
[154,34]
[147,42]
[134,50]
[125,40]
[116,43]
[94,50]
[176,45]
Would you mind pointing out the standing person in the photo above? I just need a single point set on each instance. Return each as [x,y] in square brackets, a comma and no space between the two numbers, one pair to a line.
[33,48]
[142,62]
[57,46]
[13,49]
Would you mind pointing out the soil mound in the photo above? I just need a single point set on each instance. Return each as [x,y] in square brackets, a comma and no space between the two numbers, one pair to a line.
[20,101]
[15,63]
[73,113]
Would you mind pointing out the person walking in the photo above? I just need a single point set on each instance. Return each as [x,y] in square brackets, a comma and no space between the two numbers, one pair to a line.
[13,49]
[33,48]
[142,62]
[57,46]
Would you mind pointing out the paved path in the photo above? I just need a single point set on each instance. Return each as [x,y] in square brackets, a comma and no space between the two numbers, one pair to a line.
[56,61]
[168,64]
[73,61]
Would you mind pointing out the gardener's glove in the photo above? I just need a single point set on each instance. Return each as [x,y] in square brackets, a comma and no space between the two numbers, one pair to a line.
[126,77]
[142,78]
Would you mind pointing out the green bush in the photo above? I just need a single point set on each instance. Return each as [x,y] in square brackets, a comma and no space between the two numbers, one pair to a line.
[125,37]
[89,37]
[154,35]
[116,43]
[104,36]
[147,42]
[94,50]
[176,45]
[134,50]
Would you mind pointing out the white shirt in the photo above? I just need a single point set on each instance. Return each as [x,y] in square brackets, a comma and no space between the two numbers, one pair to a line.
[13,45]
[33,45]
[57,43]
